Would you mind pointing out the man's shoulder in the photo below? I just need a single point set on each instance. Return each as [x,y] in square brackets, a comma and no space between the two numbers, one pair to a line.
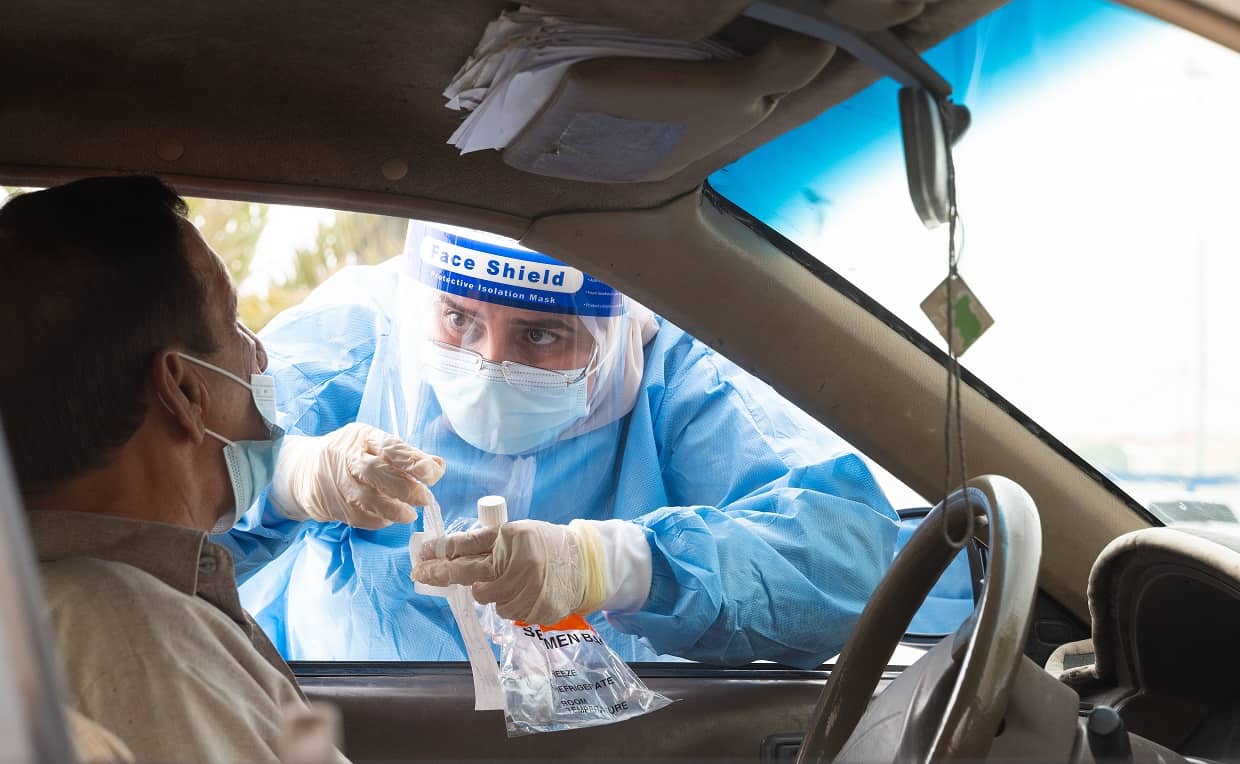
[109,614]
[117,599]
[111,600]
[95,583]
[164,669]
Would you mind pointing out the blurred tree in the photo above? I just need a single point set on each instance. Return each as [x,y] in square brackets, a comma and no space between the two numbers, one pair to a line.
[10,191]
[350,238]
[231,229]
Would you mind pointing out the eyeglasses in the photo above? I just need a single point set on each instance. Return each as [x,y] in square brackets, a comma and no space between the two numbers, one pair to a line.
[453,358]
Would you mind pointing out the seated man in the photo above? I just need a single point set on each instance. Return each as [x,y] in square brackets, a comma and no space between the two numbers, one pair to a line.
[139,420]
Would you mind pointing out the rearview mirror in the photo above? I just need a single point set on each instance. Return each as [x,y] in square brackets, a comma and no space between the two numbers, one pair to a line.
[930,128]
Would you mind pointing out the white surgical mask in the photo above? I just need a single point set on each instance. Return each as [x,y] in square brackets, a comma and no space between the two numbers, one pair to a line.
[505,414]
[251,463]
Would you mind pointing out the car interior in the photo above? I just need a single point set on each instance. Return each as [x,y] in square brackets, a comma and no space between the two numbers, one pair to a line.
[1081,645]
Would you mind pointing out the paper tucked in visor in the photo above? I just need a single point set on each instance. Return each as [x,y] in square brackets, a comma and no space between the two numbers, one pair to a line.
[519,62]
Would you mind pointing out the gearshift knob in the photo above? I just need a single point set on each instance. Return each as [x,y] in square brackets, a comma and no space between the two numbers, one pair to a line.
[1108,738]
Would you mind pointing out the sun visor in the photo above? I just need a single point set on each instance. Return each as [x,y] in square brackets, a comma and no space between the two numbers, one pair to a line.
[872,15]
[679,20]
[633,119]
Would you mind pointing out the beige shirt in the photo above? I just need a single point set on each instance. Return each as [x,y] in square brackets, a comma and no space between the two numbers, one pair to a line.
[92,743]
[154,643]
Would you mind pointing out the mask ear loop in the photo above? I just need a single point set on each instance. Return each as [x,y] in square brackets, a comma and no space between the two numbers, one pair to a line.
[225,523]
[207,430]
[218,370]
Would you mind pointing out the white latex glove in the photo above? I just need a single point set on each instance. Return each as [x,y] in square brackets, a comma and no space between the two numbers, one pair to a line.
[539,572]
[358,475]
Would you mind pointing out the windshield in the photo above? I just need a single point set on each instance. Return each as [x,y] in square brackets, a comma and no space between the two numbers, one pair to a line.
[1098,200]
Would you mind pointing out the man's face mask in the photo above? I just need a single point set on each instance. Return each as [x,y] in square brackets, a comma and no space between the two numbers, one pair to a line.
[504,408]
[251,463]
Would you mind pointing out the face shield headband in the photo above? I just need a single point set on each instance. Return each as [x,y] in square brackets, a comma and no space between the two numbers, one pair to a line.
[468,265]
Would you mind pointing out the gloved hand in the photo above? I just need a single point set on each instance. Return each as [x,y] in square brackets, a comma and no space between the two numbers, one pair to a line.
[539,572]
[358,475]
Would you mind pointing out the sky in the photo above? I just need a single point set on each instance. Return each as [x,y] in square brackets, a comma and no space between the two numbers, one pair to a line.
[288,229]
[1107,248]
[1100,201]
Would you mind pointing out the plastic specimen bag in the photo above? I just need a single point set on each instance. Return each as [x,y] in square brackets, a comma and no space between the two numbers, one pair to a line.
[564,677]
[550,678]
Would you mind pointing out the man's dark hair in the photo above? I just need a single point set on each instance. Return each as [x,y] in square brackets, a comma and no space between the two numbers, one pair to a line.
[93,283]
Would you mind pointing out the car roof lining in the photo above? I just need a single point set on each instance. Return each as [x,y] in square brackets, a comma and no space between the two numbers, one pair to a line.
[1217,20]
[241,93]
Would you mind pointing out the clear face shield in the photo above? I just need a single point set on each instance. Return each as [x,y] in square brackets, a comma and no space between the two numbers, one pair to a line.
[518,350]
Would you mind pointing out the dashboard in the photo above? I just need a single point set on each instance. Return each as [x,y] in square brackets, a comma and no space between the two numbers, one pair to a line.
[1165,650]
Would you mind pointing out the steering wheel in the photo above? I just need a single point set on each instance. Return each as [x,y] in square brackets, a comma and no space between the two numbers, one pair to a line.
[948,705]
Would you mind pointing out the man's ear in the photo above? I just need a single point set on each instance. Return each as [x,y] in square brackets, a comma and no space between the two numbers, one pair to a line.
[180,391]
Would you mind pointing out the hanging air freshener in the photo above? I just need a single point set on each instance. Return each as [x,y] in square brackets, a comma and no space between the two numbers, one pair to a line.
[969,318]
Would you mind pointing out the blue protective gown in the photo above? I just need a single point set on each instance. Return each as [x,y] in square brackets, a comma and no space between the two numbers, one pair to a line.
[767,534]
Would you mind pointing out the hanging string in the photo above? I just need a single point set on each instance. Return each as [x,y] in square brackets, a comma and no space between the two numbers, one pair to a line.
[952,410]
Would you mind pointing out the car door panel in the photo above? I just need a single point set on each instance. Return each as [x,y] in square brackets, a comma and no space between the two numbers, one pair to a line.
[426,714]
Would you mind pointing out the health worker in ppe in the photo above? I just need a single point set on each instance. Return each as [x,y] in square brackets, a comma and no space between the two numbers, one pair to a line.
[651,484]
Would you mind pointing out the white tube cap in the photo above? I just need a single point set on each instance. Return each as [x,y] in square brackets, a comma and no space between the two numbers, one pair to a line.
[492,511]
